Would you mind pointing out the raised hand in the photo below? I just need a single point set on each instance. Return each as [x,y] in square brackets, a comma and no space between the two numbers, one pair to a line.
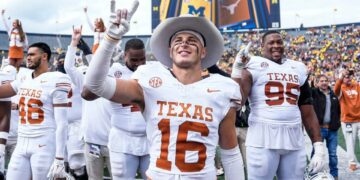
[120,22]
[241,59]
[76,35]
[243,55]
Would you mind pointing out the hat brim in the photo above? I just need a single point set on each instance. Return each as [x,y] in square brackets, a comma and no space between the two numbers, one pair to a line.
[159,42]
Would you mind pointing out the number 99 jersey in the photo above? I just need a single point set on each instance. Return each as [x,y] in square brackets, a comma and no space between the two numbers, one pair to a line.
[274,102]
[183,120]
[37,99]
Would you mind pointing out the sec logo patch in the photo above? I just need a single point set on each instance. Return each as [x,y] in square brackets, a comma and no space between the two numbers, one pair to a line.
[117,74]
[155,82]
[264,65]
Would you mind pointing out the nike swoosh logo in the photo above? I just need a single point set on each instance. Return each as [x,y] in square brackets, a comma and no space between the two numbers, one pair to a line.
[212,90]
[41,145]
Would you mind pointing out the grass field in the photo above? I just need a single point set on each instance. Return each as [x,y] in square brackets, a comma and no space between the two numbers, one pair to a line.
[342,144]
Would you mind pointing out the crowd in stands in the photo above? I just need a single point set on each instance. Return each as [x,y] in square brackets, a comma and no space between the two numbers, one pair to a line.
[323,50]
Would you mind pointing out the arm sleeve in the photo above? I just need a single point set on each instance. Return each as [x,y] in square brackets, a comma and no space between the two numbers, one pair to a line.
[6,25]
[305,94]
[75,75]
[15,85]
[233,163]
[337,88]
[96,79]
[89,22]
[60,115]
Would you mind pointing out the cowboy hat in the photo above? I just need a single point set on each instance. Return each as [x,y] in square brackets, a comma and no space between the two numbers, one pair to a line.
[214,43]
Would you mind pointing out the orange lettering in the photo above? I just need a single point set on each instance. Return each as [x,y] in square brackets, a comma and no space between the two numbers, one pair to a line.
[296,77]
[185,110]
[33,93]
[171,109]
[38,94]
[208,113]
[291,79]
[161,103]
[198,113]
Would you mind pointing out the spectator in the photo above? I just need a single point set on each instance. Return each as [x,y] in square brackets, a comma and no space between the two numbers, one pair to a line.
[327,109]
[17,41]
[348,92]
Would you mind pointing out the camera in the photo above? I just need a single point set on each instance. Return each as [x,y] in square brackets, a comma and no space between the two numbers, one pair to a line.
[351,72]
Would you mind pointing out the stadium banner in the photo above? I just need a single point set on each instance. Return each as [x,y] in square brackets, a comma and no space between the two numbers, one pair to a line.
[229,14]
[162,9]
[249,14]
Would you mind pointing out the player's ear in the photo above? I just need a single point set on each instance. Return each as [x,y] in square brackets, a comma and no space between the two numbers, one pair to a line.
[170,52]
[44,56]
[203,53]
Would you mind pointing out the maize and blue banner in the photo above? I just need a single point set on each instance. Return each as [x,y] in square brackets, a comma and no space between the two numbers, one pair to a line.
[229,14]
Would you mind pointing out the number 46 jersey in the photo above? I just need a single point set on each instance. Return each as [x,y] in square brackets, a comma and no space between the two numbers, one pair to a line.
[275,119]
[183,120]
[37,99]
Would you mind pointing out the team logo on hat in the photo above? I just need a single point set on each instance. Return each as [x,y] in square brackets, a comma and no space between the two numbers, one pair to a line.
[155,82]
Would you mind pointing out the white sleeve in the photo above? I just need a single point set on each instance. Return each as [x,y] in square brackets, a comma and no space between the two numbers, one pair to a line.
[233,163]
[11,71]
[89,22]
[6,25]
[96,79]
[60,115]
[15,85]
[75,75]
[89,58]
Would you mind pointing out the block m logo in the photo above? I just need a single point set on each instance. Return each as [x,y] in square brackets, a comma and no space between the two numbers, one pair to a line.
[200,11]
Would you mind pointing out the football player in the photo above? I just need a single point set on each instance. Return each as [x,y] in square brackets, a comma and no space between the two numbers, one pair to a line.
[43,107]
[186,114]
[5,113]
[280,103]
[75,145]
[127,139]
[96,134]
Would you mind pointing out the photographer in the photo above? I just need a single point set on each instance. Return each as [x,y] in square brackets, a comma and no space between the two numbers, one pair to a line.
[348,91]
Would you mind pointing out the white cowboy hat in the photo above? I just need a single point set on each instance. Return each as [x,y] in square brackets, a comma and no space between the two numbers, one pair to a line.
[160,39]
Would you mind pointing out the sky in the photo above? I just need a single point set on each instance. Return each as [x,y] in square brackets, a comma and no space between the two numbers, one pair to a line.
[58,16]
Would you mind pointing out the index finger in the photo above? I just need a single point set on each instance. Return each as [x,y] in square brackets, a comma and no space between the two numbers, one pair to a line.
[133,9]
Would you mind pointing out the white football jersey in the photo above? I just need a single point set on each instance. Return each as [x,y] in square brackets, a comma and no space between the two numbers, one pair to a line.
[36,101]
[4,79]
[11,70]
[97,111]
[126,117]
[128,127]
[74,112]
[13,74]
[183,120]
[274,102]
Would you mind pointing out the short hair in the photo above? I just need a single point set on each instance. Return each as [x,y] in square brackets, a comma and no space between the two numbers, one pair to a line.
[134,44]
[268,33]
[322,75]
[44,48]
